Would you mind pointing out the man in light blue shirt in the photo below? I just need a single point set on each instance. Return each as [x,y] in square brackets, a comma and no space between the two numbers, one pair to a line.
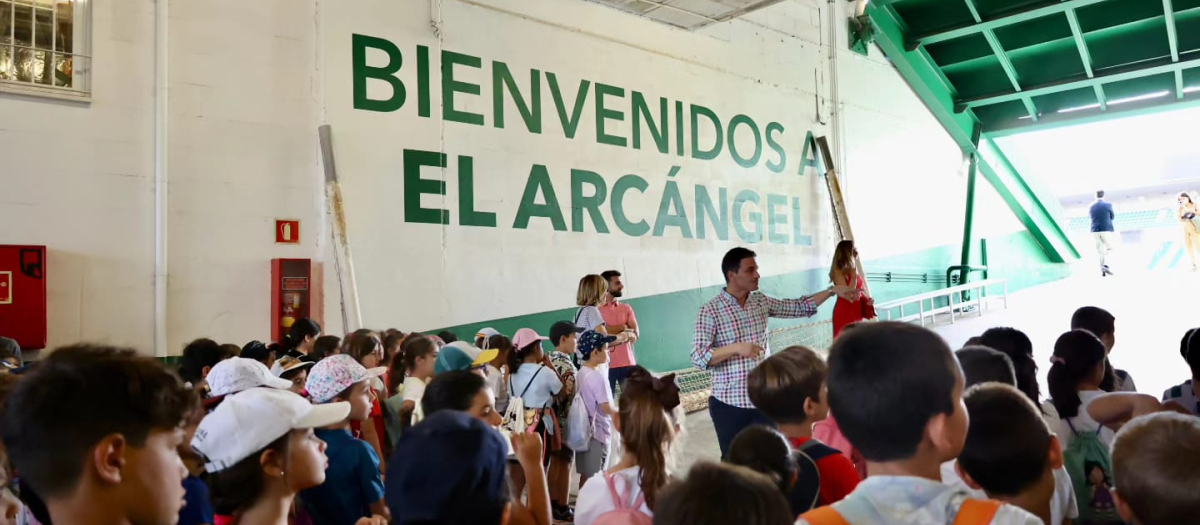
[1102,230]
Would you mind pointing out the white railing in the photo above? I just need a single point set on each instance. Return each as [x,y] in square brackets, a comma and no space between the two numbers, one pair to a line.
[955,304]
[818,335]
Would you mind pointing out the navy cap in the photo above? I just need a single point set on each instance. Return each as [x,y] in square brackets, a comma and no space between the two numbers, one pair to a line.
[562,329]
[450,468]
[256,350]
[590,341]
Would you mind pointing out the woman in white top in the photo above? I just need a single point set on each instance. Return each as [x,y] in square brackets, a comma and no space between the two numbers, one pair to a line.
[648,425]
[1075,375]
[589,297]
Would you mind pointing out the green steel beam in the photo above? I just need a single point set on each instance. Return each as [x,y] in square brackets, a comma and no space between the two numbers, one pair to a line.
[1005,63]
[1151,68]
[1169,15]
[1085,56]
[1173,39]
[1080,42]
[1028,13]
[1009,70]
[1055,121]
[1030,207]
[1037,212]
[1187,15]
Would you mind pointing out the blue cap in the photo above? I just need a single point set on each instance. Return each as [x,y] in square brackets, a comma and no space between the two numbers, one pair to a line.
[450,468]
[590,341]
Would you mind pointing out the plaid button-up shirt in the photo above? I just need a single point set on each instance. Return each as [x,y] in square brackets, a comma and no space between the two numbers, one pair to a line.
[722,322]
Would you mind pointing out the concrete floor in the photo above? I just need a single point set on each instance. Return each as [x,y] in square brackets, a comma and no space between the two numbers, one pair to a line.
[1153,310]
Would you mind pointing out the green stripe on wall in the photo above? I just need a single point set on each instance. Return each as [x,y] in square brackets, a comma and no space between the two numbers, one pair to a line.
[666,320]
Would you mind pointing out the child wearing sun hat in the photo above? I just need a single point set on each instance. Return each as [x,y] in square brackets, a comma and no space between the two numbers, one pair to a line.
[354,486]
[260,449]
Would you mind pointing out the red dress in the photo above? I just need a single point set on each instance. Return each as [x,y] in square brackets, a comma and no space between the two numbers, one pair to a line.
[846,312]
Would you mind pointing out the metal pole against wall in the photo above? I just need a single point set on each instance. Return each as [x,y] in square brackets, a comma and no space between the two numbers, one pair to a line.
[840,217]
[351,314]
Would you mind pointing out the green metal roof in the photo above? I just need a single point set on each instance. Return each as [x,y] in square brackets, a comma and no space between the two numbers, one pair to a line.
[1019,65]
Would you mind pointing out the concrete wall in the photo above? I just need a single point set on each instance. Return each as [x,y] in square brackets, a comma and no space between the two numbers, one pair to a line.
[78,179]
[249,83]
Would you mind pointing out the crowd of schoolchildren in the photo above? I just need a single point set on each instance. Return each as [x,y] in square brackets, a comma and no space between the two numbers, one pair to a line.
[387,427]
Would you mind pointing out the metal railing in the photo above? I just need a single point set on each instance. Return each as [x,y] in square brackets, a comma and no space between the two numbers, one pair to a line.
[695,385]
[954,300]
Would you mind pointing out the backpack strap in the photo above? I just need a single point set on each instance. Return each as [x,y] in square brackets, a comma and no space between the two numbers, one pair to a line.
[1099,428]
[824,516]
[977,512]
[1071,426]
[618,499]
[637,503]
[530,383]
[816,450]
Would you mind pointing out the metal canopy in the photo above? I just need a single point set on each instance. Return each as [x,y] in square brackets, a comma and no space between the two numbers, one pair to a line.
[689,14]
[1020,65]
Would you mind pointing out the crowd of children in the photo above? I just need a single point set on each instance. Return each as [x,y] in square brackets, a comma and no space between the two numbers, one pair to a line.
[387,427]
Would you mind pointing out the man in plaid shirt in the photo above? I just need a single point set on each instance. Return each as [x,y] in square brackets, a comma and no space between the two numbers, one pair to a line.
[731,339]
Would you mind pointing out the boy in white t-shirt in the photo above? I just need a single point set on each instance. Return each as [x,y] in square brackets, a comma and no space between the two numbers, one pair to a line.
[1011,455]
[1019,443]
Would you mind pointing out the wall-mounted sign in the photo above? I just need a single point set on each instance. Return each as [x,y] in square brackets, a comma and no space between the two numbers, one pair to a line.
[287,231]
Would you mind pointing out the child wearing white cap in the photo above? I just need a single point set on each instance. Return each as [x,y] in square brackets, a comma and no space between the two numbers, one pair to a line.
[239,373]
[354,486]
[260,450]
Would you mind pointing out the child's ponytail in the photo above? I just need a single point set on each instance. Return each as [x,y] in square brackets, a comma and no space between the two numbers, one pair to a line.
[301,329]
[1076,354]
[646,427]
[518,355]
[766,451]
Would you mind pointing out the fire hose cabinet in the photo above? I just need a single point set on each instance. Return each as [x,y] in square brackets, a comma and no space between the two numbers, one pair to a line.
[292,294]
[23,295]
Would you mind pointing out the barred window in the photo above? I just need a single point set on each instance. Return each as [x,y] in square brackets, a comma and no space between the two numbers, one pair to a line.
[45,47]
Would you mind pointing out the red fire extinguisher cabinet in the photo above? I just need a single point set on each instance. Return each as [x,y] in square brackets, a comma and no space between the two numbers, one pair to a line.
[291,294]
[23,295]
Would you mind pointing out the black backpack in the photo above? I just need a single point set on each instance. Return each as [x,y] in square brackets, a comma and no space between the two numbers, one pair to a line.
[806,493]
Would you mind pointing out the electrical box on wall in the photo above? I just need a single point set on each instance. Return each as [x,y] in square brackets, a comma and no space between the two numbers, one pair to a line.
[23,295]
[292,294]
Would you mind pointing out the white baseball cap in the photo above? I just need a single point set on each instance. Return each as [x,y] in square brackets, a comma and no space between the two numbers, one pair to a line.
[239,373]
[248,421]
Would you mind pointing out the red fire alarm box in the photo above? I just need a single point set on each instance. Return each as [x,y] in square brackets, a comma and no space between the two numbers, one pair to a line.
[23,295]
[292,294]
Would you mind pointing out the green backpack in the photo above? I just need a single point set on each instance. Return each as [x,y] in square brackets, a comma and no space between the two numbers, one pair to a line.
[1090,467]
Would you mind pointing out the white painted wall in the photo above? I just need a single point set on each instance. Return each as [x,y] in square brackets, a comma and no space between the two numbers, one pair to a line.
[243,152]
[250,81]
[78,179]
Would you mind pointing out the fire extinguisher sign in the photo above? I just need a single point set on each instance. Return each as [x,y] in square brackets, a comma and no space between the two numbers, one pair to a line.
[6,293]
[287,231]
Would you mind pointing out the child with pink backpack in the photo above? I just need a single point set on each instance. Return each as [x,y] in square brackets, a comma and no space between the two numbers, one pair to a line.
[648,424]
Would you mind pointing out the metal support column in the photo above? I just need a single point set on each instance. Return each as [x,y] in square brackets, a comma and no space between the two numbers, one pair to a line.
[969,220]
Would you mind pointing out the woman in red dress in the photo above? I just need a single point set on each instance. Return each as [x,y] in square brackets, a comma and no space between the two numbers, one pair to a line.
[843,272]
